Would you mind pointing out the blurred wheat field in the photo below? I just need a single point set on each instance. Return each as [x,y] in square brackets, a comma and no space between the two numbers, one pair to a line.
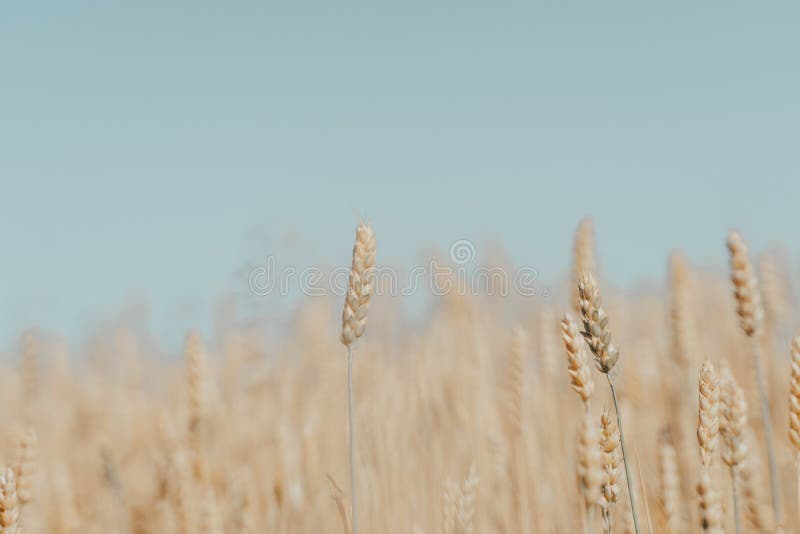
[478,421]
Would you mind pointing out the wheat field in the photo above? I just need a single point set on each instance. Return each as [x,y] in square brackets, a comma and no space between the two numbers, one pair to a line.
[490,415]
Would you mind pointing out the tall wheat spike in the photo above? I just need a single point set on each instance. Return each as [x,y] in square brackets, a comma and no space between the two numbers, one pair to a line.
[751,318]
[598,337]
[354,321]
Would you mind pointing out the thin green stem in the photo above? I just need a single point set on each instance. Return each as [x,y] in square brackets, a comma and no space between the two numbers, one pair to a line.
[766,419]
[624,456]
[353,500]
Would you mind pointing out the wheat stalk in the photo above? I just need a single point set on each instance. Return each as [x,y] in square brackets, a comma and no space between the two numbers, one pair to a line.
[751,318]
[354,321]
[598,337]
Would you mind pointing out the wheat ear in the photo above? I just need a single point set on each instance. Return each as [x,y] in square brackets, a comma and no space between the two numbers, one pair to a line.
[794,408]
[580,373]
[354,321]
[598,337]
[610,446]
[751,318]
[465,512]
[732,426]
[9,510]
[707,438]
[670,484]
[25,468]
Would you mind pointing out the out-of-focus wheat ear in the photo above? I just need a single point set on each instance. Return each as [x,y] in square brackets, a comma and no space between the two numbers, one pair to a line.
[465,513]
[196,381]
[751,318]
[513,417]
[684,338]
[708,413]
[580,373]
[30,347]
[794,408]
[9,509]
[359,288]
[196,376]
[755,512]
[732,425]
[590,463]
[611,456]
[25,467]
[710,507]
[449,506]
[669,485]
[184,494]
[583,256]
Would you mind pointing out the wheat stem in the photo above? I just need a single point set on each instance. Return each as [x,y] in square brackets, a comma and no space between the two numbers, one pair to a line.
[353,499]
[766,419]
[628,478]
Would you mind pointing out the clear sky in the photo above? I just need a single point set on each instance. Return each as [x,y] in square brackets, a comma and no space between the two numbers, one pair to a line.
[151,149]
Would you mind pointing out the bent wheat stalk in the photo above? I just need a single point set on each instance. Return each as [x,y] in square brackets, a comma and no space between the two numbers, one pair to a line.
[354,321]
[598,337]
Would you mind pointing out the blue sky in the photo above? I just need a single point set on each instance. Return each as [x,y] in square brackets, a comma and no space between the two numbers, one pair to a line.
[151,149]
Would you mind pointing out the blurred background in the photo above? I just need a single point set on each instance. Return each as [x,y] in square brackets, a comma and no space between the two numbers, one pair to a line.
[152,153]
